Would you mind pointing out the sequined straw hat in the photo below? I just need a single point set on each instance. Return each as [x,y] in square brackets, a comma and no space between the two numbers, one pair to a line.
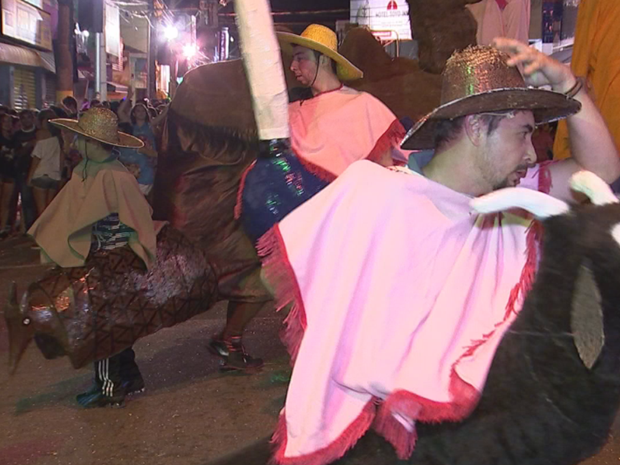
[101,125]
[323,40]
[479,80]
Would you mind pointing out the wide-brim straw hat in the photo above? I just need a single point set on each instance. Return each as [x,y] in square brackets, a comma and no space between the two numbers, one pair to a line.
[101,125]
[479,80]
[323,40]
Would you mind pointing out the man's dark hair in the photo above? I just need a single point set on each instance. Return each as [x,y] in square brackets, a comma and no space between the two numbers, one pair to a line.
[447,130]
[70,102]
[26,112]
[46,115]
[333,63]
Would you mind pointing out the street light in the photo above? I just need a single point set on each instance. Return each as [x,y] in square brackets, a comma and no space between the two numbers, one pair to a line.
[189,51]
[171,32]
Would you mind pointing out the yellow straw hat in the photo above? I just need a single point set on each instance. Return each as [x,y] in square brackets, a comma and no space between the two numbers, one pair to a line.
[101,125]
[323,40]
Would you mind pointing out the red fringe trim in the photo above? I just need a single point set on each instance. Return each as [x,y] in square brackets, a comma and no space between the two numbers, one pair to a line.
[419,408]
[465,396]
[544,176]
[238,205]
[526,280]
[391,137]
[403,440]
[335,450]
[318,171]
[280,275]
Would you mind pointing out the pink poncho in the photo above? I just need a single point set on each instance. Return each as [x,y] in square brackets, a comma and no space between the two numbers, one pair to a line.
[400,296]
[337,128]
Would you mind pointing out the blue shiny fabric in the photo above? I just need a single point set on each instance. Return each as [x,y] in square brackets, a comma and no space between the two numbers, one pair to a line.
[273,188]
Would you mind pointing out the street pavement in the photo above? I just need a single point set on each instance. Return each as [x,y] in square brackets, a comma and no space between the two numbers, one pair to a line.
[190,414]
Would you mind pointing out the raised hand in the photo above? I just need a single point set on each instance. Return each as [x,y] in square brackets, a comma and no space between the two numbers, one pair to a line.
[537,68]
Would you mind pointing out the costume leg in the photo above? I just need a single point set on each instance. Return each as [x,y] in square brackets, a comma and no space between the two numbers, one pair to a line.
[228,344]
[239,316]
[107,388]
[130,373]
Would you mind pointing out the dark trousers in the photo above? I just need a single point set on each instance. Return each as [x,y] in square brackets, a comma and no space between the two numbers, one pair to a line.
[29,207]
[111,373]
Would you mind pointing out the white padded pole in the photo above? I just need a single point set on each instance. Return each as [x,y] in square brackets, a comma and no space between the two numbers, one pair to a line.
[597,190]
[539,204]
[263,65]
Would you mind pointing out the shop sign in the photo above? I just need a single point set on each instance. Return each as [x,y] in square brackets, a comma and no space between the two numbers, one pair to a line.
[24,22]
[388,19]
[112,30]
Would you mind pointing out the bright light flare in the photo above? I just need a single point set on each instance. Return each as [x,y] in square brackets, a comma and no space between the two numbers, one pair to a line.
[171,32]
[85,34]
[189,51]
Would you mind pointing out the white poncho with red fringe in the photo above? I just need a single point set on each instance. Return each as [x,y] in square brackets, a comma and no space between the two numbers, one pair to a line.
[400,296]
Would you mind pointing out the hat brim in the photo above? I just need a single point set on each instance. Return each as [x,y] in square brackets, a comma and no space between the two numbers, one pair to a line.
[545,104]
[347,71]
[124,140]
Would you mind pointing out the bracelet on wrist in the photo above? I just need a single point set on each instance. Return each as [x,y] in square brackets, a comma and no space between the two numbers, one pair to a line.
[573,91]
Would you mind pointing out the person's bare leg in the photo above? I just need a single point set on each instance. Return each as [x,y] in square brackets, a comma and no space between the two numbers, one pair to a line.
[40,196]
[49,196]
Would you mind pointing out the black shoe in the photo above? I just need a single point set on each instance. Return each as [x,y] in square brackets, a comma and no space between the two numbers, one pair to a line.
[233,355]
[95,398]
[134,386]
[94,389]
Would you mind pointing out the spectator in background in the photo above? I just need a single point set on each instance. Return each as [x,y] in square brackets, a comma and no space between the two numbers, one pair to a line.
[501,18]
[7,171]
[59,112]
[71,107]
[45,170]
[114,106]
[140,162]
[25,139]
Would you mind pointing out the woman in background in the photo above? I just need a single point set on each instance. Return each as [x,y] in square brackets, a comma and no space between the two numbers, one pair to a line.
[47,159]
[7,171]
[140,162]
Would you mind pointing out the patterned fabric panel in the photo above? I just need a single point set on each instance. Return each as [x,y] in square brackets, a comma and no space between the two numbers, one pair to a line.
[109,233]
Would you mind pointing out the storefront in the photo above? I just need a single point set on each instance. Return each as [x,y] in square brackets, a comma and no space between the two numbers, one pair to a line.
[26,55]
[30,75]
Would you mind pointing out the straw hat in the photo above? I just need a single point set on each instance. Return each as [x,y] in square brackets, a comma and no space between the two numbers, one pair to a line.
[479,80]
[101,125]
[323,40]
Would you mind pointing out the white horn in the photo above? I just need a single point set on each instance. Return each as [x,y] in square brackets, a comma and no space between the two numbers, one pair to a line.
[597,190]
[263,64]
[539,204]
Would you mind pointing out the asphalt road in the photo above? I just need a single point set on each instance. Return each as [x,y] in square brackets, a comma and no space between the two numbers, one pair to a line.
[190,414]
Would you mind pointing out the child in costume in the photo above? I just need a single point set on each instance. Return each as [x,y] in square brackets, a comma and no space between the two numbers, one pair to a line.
[100,208]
